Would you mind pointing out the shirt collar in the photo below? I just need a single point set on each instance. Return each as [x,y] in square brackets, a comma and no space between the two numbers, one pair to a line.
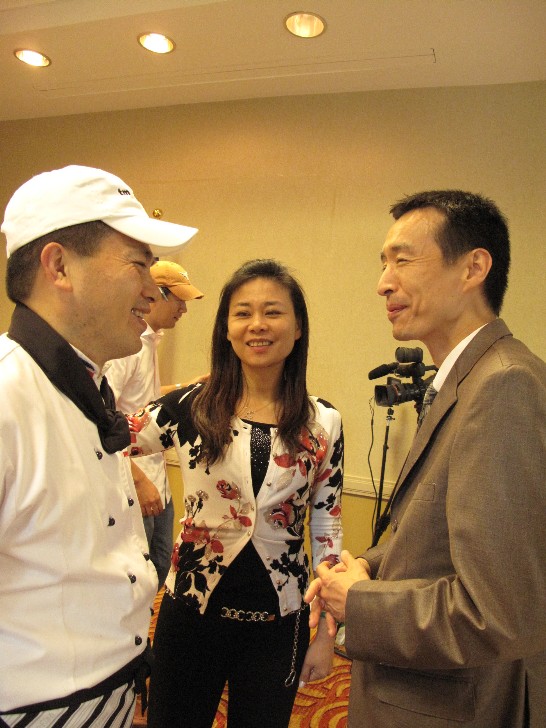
[151,334]
[449,362]
[94,371]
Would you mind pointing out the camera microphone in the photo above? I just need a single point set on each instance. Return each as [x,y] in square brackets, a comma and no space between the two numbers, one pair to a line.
[382,370]
[405,355]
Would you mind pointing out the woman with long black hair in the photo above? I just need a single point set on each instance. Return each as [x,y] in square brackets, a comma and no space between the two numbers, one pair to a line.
[257,454]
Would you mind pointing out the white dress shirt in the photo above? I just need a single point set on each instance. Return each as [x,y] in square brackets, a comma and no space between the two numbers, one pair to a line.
[135,382]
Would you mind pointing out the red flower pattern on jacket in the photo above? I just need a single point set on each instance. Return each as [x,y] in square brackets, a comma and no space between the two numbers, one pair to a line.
[198,533]
[284,515]
[288,514]
[227,490]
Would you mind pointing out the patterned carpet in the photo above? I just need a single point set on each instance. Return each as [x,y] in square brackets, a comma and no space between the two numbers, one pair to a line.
[321,704]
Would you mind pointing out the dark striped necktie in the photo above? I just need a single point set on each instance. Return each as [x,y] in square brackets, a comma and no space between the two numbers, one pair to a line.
[428,399]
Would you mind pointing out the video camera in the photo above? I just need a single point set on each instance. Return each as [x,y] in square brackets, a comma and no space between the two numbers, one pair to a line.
[409,363]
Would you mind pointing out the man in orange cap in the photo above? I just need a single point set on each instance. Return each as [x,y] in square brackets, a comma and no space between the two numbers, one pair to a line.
[135,381]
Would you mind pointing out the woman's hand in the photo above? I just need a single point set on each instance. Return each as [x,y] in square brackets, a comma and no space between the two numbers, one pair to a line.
[319,657]
[148,495]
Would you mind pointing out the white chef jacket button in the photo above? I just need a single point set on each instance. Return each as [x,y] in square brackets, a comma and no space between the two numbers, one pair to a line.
[130,501]
[138,640]
[111,521]
[147,557]
[132,578]
[98,454]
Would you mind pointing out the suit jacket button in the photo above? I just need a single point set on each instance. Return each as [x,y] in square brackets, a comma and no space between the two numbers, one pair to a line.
[394,526]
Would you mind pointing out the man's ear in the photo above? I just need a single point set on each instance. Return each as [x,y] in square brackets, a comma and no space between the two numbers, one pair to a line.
[54,265]
[479,262]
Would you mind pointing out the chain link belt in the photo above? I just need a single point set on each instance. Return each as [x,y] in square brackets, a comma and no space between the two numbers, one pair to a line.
[242,615]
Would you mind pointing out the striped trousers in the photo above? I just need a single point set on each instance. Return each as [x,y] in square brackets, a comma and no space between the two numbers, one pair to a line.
[112,710]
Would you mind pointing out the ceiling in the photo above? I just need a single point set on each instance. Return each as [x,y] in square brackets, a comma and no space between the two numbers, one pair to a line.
[239,49]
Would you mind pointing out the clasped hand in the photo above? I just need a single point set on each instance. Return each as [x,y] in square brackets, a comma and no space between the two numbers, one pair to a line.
[328,592]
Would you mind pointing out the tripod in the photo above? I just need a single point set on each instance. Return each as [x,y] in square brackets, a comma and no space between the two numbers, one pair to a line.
[382,520]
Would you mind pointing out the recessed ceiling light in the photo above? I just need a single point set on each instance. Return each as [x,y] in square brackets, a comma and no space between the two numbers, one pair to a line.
[305,25]
[32,58]
[156,42]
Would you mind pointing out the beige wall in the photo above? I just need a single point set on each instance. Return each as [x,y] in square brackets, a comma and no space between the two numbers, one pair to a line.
[309,180]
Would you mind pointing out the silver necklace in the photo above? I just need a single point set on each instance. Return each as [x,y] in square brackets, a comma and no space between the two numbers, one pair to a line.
[249,413]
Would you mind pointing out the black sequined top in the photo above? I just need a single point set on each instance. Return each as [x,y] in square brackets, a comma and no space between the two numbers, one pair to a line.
[246,583]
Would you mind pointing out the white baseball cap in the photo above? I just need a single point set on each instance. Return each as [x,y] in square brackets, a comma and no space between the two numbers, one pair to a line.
[75,194]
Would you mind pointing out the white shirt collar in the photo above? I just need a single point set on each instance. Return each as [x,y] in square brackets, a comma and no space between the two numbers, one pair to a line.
[451,358]
[93,369]
[153,335]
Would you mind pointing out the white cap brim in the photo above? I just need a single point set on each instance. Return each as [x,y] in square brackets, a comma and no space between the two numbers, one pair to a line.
[163,237]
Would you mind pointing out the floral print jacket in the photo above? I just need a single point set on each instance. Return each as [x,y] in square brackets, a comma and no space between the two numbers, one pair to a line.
[222,514]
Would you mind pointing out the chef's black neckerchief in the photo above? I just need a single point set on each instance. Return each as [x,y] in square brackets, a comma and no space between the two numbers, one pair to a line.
[64,368]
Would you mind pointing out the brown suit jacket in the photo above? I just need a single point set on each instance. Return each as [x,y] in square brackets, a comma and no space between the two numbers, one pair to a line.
[452,629]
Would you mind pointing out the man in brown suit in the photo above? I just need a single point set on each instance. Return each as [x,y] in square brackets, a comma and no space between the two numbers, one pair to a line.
[446,620]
